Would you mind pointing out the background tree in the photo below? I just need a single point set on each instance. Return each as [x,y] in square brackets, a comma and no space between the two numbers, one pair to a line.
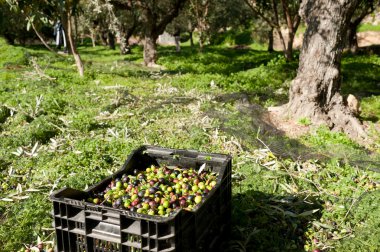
[315,92]
[271,13]
[214,19]
[155,17]
[200,10]
[101,21]
[129,22]
[231,17]
[13,25]
[47,12]
[365,7]
[36,15]
[68,8]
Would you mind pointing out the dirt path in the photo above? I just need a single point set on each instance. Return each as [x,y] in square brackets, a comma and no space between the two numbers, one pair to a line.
[364,39]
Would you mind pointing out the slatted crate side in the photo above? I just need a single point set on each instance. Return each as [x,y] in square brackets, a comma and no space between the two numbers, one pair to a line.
[83,226]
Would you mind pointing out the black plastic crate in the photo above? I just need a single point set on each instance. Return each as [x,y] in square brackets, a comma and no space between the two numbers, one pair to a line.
[82,226]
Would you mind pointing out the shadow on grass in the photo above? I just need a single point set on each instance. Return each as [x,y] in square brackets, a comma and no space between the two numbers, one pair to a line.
[213,60]
[361,79]
[267,222]
[252,122]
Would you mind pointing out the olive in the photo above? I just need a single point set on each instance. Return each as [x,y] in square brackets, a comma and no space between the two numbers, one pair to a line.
[116,203]
[151,190]
[153,204]
[183,203]
[141,194]
[147,199]
[165,204]
[161,180]
[157,190]
[198,199]
[190,197]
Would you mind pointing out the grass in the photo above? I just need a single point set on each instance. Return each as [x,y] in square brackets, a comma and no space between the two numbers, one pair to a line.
[317,191]
[368,27]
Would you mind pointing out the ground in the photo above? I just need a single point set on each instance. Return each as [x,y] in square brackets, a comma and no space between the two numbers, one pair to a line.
[294,193]
[365,38]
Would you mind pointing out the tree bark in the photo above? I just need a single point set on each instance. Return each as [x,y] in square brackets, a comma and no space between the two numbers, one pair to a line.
[289,47]
[270,40]
[150,50]
[352,38]
[41,38]
[365,8]
[93,37]
[292,21]
[76,27]
[155,22]
[111,40]
[73,49]
[124,43]
[191,39]
[314,92]
[125,35]
[201,41]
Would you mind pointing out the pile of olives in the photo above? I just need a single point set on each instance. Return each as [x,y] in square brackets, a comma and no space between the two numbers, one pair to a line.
[157,190]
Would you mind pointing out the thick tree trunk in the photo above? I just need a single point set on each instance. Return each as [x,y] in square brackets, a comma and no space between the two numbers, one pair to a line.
[314,92]
[270,40]
[154,25]
[150,50]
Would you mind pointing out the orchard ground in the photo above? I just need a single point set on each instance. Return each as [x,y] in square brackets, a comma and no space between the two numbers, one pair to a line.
[319,190]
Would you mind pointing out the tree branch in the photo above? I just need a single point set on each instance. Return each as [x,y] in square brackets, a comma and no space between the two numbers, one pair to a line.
[260,14]
[169,17]
[41,38]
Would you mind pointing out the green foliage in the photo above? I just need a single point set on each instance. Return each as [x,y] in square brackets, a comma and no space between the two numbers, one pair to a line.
[234,37]
[12,56]
[304,121]
[24,222]
[5,112]
[324,138]
[368,27]
[86,127]
[366,212]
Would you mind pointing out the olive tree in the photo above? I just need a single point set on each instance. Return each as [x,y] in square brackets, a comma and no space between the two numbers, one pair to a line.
[365,7]
[47,11]
[276,15]
[155,17]
[315,92]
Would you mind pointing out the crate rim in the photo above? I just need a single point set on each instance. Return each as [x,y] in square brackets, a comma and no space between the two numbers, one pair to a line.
[161,219]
